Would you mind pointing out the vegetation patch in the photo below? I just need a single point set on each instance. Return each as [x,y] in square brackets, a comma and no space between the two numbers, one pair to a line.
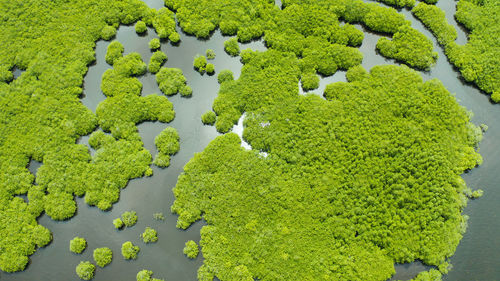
[167,143]
[191,249]
[129,250]
[149,235]
[77,245]
[146,275]
[85,270]
[129,218]
[103,256]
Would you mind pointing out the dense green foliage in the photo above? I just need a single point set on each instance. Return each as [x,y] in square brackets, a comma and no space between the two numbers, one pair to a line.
[210,68]
[154,44]
[231,47]
[191,249]
[149,235]
[410,46]
[103,256]
[167,143]
[85,270]
[157,60]
[118,223]
[401,3]
[114,52]
[199,63]
[170,80]
[42,117]
[129,218]
[129,250]
[224,76]
[108,32]
[309,81]
[140,27]
[146,275]
[431,275]
[77,245]
[210,54]
[479,59]
[350,185]
[208,118]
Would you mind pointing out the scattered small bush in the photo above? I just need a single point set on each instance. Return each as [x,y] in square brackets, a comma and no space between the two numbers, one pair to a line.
[154,44]
[149,235]
[129,250]
[231,47]
[129,218]
[85,270]
[77,245]
[191,249]
[103,256]
[208,118]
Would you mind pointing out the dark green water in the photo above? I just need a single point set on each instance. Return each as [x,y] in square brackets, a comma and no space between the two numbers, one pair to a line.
[477,255]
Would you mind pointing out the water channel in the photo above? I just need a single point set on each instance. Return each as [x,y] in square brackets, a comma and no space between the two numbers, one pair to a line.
[476,257]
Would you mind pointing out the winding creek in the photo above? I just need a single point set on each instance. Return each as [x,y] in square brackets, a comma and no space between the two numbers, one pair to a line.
[476,257]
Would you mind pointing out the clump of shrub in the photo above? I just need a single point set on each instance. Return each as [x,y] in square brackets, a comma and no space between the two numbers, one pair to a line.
[118,223]
[108,32]
[129,218]
[157,60]
[186,91]
[210,68]
[199,63]
[170,80]
[208,118]
[77,245]
[85,270]
[224,76]
[231,47]
[129,250]
[114,52]
[103,256]
[145,275]
[149,235]
[140,27]
[210,54]
[191,249]
[154,44]
[174,37]
[309,81]
[167,143]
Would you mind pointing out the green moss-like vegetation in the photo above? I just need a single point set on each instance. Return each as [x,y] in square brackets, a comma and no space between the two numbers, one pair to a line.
[410,46]
[129,250]
[208,118]
[191,249]
[170,80]
[210,68]
[199,63]
[146,275]
[77,245]
[140,27]
[118,223]
[431,275]
[157,60]
[85,270]
[401,3]
[149,235]
[129,218]
[186,91]
[309,81]
[114,52]
[167,143]
[231,47]
[108,32]
[224,76]
[103,256]
[210,54]
[346,180]
[174,37]
[159,216]
[479,59]
[154,44]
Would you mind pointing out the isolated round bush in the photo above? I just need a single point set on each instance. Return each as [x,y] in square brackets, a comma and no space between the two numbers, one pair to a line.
[208,118]
[231,47]
[129,218]
[154,44]
[77,245]
[129,250]
[167,141]
[103,256]
[174,37]
[210,68]
[210,54]
[149,235]
[140,27]
[191,249]
[199,63]
[85,270]
[186,91]
[118,223]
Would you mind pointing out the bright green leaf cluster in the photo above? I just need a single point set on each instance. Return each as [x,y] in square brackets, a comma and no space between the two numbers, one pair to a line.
[85,270]
[208,118]
[170,80]
[118,223]
[157,60]
[77,245]
[309,81]
[103,256]
[108,32]
[199,63]
[149,235]
[129,218]
[129,250]
[210,54]
[167,143]
[191,249]
[231,47]
[146,275]
[154,44]
[114,52]
[140,27]
[224,76]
